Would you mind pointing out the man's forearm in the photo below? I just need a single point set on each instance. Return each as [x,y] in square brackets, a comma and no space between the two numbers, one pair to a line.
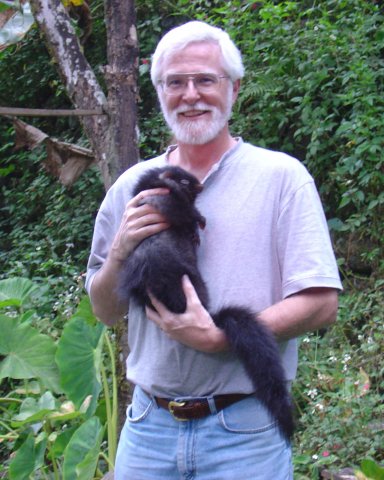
[105,302]
[303,312]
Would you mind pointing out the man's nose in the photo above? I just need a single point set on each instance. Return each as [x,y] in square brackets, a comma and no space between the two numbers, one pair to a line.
[191,93]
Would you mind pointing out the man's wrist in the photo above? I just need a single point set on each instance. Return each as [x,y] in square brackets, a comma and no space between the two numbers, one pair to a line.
[217,341]
[116,255]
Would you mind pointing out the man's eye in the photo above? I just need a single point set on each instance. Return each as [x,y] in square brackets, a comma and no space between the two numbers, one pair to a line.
[205,81]
[175,83]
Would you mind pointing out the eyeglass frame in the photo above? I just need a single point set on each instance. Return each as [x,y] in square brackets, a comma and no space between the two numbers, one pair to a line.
[191,77]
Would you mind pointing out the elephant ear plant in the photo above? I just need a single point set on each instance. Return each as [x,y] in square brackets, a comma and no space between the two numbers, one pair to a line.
[58,407]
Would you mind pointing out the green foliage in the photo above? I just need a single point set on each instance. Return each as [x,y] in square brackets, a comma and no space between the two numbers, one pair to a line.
[27,353]
[46,228]
[153,18]
[34,84]
[80,344]
[52,429]
[339,389]
[16,292]
[372,470]
[80,460]
[27,459]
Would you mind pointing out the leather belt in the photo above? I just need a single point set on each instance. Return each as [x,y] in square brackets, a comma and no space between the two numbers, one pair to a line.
[195,408]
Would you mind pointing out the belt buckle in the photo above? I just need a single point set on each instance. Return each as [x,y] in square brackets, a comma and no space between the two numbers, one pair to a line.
[171,407]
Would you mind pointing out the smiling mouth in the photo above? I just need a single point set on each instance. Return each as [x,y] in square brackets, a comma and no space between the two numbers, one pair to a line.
[193,113]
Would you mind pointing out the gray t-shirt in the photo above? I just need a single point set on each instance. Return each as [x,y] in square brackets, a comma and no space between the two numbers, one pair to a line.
[266,238]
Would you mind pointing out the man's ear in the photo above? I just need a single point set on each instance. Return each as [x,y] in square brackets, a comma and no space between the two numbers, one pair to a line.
[236,88]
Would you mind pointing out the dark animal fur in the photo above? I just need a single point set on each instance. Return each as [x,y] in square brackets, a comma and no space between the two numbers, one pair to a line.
[159,262]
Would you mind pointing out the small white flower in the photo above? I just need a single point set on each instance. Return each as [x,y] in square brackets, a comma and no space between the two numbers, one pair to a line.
[346,358]
[312,393]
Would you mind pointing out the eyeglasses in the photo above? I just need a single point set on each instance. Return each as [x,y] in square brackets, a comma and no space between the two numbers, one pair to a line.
[177,83]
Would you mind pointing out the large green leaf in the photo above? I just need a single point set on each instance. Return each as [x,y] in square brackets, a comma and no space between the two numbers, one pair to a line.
[16,291]
[28,353]
[33,411]
[62,440]
[82,451]
[86,468]
[23,464]
[372,470]
[79,357]
[84,311]
[28,458]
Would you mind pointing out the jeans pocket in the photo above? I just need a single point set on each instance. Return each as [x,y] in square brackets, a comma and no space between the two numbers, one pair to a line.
[247,416]
[140,407]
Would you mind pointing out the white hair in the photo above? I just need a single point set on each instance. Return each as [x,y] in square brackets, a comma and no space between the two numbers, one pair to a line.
[194,32]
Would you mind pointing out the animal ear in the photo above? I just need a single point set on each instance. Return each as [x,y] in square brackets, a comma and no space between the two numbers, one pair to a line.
[164,175]
[202,223]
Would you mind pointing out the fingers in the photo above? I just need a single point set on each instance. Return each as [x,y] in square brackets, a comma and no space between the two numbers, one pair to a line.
[140,220]
[143,218]
[154,316]
[137,200]
[189,291]
[144,221]
[158,307]
[194,328]
[160,315]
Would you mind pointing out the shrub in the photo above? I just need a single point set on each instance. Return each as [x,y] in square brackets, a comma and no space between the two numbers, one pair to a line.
[46,228]
[338,392]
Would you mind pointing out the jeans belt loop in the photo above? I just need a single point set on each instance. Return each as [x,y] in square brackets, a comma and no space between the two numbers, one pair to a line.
[212,405]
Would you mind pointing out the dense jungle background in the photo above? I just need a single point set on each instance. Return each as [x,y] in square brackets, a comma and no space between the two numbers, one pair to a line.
[314,88]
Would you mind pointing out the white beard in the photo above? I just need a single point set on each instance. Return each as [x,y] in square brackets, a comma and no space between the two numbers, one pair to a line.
[198,131]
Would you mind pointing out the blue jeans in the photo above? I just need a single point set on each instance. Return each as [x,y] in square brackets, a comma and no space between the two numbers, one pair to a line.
[240,442]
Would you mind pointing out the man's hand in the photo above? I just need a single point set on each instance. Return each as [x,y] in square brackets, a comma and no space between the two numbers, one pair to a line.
[194,328]
[140,220]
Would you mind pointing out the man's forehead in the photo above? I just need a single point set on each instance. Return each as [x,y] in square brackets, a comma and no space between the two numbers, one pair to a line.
[195,57]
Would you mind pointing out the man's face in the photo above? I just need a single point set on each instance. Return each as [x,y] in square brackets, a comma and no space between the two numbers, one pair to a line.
[194,115]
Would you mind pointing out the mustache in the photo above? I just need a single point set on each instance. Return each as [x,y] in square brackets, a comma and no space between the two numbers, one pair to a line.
[192,108]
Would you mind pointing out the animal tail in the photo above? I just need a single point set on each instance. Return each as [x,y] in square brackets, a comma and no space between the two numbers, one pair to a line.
[257,349]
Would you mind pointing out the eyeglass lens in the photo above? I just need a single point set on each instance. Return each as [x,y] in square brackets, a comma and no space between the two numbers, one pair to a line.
[203,82]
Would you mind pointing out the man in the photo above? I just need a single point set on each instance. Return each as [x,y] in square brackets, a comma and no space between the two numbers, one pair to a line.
[265,246]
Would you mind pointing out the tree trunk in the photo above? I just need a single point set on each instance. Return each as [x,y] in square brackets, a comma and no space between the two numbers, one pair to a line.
[113,136]
[121,79]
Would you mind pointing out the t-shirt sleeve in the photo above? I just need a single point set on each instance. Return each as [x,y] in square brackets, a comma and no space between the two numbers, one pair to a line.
[104,231]
[305,251]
